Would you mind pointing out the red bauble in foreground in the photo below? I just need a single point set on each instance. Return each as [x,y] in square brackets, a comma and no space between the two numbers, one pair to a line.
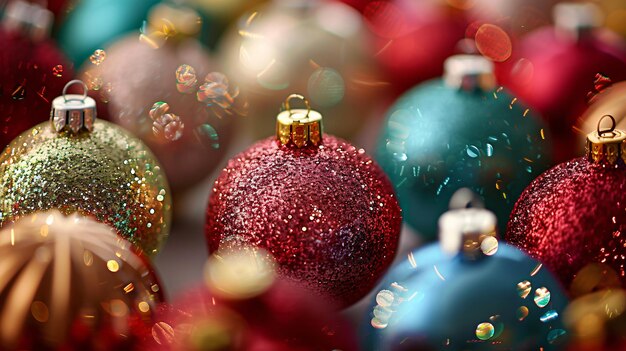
[325,211]
[575,213]
[244,308]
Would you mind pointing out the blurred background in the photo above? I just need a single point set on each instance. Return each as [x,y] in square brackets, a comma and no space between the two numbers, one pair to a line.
[224,68]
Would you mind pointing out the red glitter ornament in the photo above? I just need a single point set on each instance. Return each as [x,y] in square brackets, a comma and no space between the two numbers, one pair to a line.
[575,213]
[32,72]
[325,210]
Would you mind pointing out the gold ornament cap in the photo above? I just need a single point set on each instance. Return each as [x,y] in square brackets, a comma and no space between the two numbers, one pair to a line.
[469,72]
[606,146]
[299,127]
[73,112]
[470,231]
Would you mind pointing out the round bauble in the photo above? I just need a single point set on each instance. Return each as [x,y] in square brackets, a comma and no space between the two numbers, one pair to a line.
[33,71]
[71,283]
[268,55]
[460,131]
[104,172]
[559,91]
[486,296]
[135,75]
[324,210]
[574,214]
[279,316]
[88,26]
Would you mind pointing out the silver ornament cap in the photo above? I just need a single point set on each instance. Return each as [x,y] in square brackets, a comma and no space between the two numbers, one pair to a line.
[73,112]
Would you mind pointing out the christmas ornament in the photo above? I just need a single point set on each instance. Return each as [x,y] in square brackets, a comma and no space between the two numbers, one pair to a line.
[322,207]
[469,292]
[320,48]
[245,308]
[78,164]
[459,131]
[94,24]
[32,69]
[71,283]
[136,74]
[403,40]
[573,214]
[556,66]
[609,100]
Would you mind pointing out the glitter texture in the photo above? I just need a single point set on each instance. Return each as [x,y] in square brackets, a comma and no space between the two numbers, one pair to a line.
[57,291]
[438,139]
[573,215]
[328,214]
[106,173]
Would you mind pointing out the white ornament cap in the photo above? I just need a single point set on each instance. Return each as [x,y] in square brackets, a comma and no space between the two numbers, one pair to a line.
[469,72]
[73,112]
[571,19]
[465,230]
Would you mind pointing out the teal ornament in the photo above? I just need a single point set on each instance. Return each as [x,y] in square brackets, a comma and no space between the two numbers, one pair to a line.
[487,296]
[461,131]
[96,24]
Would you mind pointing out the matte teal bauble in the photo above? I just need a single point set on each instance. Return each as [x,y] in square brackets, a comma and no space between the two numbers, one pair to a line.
[95,24]
[468,293]
[461,131]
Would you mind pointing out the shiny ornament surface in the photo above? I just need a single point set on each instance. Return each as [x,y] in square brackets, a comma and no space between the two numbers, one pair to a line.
[553,73]
[94,24]
[610,100]
[437,301]
[71,283]
[106,173]
[32,73]
[327,214]
[134,76]
[437,139]
[317,48]
[572,215]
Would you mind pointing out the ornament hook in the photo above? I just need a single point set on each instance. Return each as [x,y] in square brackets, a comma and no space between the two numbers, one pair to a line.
[610,130]
[72,82]
[300,97]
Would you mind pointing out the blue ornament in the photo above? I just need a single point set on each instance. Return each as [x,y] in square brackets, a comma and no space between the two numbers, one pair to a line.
[461,131]
[96,24]
[487,296]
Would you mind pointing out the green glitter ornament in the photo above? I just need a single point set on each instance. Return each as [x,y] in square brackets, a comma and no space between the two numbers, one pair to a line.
[461,131]
[78,164]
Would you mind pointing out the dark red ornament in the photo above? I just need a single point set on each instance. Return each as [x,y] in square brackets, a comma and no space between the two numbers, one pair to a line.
[575,213]
[325,210]
[32,73]
[244,307]
[554,68]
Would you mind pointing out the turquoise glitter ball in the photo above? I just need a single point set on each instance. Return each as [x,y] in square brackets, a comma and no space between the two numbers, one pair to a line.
[439,137]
